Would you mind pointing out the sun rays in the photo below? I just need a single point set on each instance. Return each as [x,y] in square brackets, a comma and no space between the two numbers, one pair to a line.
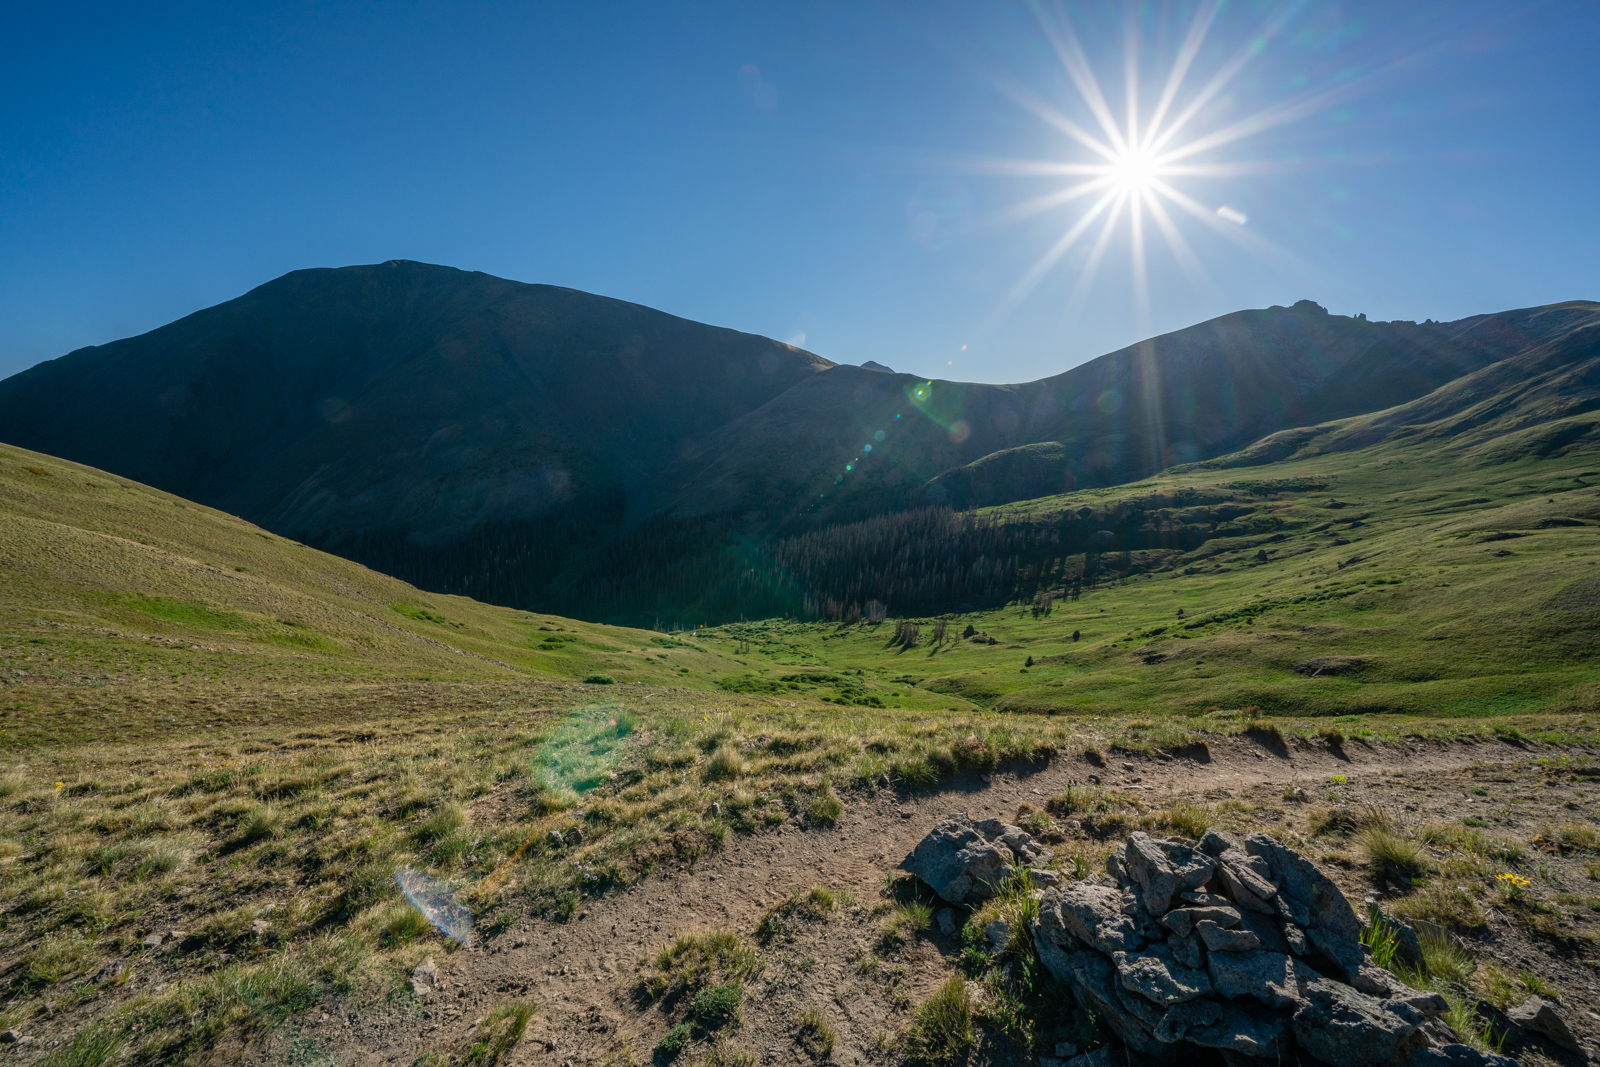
[1132,153]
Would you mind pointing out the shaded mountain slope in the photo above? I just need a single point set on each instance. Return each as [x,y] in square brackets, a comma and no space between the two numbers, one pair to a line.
[542,447]
[1205,390]
[428,421]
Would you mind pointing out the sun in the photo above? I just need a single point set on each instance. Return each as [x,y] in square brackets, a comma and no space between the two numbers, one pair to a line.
[1134,171]
[1131,157]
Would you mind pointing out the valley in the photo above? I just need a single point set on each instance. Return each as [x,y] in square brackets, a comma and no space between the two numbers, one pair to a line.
[222,744]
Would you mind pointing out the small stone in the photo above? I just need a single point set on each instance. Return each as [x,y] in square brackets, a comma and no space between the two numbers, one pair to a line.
[947,922]
[154,940]
[999,934]
[10,1037]
[1297,940]
[714,810]
[1540,1016]
[425,977]
[555,839]
[1044,879]
[574,835]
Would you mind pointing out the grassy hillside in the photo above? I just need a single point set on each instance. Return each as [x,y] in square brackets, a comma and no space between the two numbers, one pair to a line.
[1396,580]
[125,610]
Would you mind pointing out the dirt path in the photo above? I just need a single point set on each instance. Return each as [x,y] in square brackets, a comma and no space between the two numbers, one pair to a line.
[580,973]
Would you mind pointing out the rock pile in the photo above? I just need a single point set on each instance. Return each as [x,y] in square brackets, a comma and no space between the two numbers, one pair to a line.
[1243,947]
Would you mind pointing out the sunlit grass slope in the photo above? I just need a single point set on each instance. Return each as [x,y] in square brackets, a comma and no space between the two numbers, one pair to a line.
[124,609]
[1398,580]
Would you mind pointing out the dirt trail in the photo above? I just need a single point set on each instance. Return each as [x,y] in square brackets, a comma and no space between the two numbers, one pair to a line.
[580,973]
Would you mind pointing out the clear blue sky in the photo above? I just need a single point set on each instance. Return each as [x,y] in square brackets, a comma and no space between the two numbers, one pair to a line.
[821,169]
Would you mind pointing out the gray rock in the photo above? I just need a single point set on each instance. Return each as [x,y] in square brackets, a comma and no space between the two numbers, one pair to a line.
[555,839]
[1044,879]
[1348,954]
[1092,914]
[1299,878]
[153,940]
[1430,1004]
[425,978]
[1158,977]
[1541,1017]
[1253,874]
[1092,980]
[1187,950]
[1345,1028]
[1117,865]
[1240,893]
[1238,1028]
[1220,939]
[1277,980]
[1191,867]
[574,835]
[1066,1050]
[1201,899]
[1144,926]
[946,919]
[1149,869]
[1266,928]
[1291,910]
[959,862]
[1296,939]
[999,935]
[1181,920]
[10,1037]
[1458,1056]
[1214,843]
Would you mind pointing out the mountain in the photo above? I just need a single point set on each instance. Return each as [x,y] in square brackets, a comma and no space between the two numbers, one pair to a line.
[542,447]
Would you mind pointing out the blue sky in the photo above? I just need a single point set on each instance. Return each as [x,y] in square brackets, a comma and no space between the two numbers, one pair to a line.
[840,175]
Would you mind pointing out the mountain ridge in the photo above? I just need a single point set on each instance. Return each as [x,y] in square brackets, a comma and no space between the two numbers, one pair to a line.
[542,447]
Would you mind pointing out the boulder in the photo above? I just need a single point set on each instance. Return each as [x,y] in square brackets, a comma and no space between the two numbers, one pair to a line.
[1541,1017]
[1160,978]
[1243,1029]
[1246,949]
[963,861]
[1276,980]
[1346,1028]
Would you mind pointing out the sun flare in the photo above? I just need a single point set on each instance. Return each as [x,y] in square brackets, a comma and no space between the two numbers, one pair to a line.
[1135,154]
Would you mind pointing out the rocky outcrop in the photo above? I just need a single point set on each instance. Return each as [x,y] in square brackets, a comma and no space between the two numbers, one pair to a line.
[963,860]
[1242,946]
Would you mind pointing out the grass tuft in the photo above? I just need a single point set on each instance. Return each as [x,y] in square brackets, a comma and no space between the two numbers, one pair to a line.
[814,1033]
[941,1032]
[1392,857]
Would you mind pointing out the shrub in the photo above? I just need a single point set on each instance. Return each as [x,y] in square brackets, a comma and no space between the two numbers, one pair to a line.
[674,1041]
[941,1031]
[1391,856]
[600,679]
[714,1006]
